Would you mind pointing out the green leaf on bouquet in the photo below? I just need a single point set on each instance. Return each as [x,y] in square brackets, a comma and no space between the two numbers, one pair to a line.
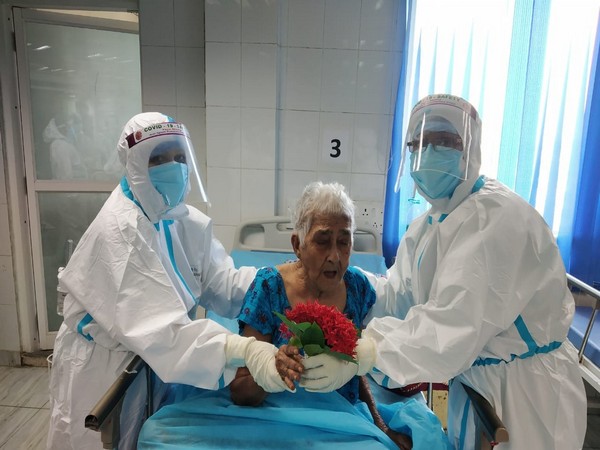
[293,326]
[295,341]
[313,349]
[313,335]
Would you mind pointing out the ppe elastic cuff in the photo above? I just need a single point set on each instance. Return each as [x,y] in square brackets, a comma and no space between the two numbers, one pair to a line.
[235,350]
[366,354]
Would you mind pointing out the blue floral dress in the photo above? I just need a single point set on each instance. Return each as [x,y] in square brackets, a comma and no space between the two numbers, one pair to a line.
[267,294]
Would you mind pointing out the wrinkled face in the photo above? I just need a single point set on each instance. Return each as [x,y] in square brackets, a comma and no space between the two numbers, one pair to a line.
[325,253]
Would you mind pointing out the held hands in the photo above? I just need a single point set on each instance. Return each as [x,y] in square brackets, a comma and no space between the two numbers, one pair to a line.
[325,373]
[264,362]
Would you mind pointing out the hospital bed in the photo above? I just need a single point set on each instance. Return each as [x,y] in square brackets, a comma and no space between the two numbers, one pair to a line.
[584,332]
[266,242]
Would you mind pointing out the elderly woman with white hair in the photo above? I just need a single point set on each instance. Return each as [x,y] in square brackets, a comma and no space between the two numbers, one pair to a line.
[319,278]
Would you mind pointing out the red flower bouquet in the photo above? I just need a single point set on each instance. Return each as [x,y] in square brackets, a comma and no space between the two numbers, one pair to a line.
[318,328]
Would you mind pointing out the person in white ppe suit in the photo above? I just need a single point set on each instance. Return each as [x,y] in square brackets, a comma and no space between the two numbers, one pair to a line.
[133,285]
[477,295]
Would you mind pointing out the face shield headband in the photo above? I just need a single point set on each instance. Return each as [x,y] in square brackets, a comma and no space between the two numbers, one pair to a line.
[165,152]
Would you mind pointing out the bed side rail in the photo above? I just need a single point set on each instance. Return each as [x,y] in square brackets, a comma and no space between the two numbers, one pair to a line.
[273,234]
[492,429]
[580,285]
[105,416]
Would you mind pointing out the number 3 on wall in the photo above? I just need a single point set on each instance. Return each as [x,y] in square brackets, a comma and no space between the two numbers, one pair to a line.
[336,149]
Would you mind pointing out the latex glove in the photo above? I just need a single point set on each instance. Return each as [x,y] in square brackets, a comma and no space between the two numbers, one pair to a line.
[326,373]
[258,357]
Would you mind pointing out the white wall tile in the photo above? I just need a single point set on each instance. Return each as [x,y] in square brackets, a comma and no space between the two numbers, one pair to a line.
[299,142]
[223,136]
[157,23]
[189,21]
[223,72]
[189,68]
[337,177]
[223,20]
[291,184]
[4,232]
[303,79]
[374,87]
[158,76]
[259,80]
[335,142]
[259,21]
[170,110]
[258,138]
[342,24]
[377,24]
[366,187]
[9,330]
[7,281]
[338,90]
[225,234]
[258,193]
[371,143]
[305,23]
[224,192]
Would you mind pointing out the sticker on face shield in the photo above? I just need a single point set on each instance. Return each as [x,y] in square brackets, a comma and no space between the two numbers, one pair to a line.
[159,129]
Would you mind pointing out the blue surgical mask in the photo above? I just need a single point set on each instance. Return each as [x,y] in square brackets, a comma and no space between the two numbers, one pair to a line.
[439,171]
[170,180]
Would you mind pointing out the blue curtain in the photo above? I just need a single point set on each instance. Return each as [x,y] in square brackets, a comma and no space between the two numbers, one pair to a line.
[539,139]
[391,217]
[584,261]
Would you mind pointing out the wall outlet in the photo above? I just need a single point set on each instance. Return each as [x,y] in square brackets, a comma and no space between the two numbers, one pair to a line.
[369,215]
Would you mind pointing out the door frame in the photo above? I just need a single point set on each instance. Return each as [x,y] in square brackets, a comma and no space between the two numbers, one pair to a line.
[17,142]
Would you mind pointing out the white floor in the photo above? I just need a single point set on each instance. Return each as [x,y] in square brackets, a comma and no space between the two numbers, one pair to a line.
[24,410]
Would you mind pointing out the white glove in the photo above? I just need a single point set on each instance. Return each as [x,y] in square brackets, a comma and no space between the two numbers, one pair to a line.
[258,357]
[326,373]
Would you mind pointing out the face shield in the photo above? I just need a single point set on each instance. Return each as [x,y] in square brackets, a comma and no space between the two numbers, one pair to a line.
[438,145]
[162,168]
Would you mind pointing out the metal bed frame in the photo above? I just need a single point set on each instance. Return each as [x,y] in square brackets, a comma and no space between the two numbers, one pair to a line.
[589,369]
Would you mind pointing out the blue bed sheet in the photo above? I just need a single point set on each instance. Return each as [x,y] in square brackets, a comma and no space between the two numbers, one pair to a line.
[209,420]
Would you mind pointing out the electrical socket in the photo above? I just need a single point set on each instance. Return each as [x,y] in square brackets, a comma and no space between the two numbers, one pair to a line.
[369,215]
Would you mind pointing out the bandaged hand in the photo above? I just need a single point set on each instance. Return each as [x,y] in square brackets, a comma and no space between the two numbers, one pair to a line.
[259,358]
[326,373]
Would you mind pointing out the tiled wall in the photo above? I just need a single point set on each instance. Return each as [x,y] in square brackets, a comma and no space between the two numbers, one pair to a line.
[285,81]
[172,58]
[268,88]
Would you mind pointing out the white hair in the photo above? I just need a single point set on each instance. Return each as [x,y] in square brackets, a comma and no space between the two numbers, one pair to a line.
[320,198]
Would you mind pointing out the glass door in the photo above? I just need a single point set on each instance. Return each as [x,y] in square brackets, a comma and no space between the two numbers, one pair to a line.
[79,82]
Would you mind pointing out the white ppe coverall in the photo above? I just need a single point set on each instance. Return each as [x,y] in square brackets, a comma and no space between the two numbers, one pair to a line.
[478,295]
[133,283]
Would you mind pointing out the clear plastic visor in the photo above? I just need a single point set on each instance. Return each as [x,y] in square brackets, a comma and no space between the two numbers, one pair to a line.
[169,142]
[433,143]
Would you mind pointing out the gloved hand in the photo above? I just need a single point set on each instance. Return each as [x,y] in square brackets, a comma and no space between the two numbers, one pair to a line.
[326,373]
[258,357]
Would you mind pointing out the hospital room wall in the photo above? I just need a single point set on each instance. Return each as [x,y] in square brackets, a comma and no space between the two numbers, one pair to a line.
[277,94]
